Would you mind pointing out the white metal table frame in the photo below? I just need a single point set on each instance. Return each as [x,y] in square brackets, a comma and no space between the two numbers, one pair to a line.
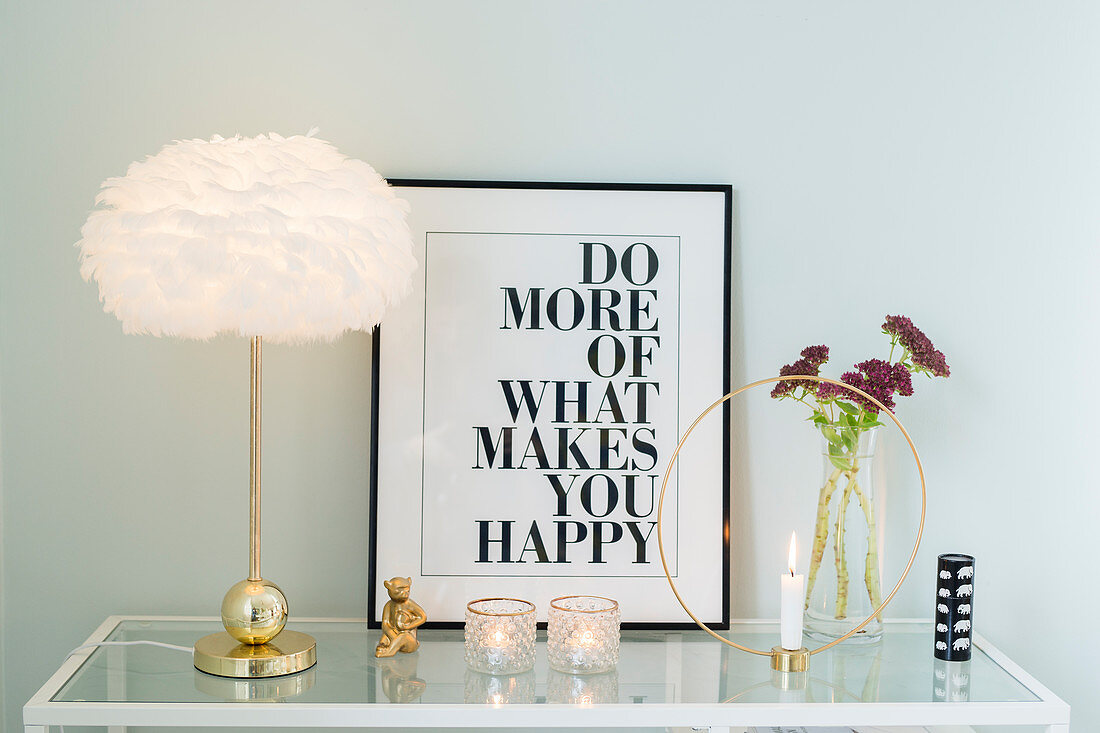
[40,712]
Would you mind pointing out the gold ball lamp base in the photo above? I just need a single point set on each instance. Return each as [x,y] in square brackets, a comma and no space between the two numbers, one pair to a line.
[254,644]
[222,655]
[254,611]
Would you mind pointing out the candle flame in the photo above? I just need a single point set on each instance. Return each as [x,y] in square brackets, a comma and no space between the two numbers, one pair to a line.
[790,556]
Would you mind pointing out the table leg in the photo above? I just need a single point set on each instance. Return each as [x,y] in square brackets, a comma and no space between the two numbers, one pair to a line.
[116,679]
[1058,728]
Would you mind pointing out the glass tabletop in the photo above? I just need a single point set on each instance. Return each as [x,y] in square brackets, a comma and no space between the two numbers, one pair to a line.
[654,667]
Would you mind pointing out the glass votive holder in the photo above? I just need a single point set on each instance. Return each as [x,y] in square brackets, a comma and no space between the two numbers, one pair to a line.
[589,689]
[500,635]
[494,689]
[583,634]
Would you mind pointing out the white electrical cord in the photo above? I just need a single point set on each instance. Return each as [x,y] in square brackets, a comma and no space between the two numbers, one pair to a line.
[81,648]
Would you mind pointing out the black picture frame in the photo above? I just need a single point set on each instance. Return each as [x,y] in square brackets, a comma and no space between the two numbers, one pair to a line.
[726,191]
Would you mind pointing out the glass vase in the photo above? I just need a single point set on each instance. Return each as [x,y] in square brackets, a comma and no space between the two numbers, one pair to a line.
[844,583]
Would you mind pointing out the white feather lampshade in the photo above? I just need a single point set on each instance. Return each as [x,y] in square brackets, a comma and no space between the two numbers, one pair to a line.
[273,238]
[283,238]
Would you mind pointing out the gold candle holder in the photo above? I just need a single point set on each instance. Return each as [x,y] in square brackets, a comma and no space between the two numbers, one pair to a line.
[790,660]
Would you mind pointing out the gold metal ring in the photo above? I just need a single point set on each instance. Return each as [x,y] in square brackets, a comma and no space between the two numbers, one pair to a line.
[672,463]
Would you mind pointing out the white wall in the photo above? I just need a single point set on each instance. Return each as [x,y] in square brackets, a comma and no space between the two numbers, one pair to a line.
[2,597]
[934,159]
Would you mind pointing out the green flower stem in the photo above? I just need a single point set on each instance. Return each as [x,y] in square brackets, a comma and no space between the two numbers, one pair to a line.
[870,572]
[838,550]
[821,531]
[842,436]
[871,686]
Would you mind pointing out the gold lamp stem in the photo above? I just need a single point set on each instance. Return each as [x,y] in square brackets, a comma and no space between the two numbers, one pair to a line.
[254,611]
[255,400]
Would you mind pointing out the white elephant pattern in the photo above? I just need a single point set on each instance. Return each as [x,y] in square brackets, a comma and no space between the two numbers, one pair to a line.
[964,609]
[944,593]
[942,608]
[940,692]
[966,572]
[942,628]
[961,643]
[965,591]
[961,626]
[941,645]
[945,575]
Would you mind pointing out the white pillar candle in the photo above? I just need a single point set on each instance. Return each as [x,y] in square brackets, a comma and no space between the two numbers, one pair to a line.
[792,588]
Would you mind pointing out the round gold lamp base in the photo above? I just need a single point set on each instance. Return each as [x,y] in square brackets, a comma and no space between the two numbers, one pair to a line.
[260,689]
[222,655]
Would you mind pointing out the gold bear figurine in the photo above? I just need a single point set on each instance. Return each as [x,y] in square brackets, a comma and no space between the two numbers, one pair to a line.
[400,618]
[399,681]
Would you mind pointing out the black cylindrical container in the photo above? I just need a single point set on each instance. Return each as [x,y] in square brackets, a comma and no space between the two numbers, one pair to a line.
[950,681]
[954,607]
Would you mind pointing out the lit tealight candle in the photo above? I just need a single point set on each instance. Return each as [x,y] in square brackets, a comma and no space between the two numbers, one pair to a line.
[790,609]
[500,636]
[582,634]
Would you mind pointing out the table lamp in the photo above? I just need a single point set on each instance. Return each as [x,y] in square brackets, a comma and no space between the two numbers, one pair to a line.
[269,238]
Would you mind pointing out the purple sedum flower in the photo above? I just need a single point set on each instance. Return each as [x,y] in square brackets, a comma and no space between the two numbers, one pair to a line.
[903,380]
[922,353]
[816,355]
[808,365]
[876,377]
[879,378]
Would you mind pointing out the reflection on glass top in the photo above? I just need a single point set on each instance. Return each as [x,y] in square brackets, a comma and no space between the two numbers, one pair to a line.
[655,667]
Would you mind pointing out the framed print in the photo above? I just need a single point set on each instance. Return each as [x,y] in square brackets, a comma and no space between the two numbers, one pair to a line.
[529,393]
